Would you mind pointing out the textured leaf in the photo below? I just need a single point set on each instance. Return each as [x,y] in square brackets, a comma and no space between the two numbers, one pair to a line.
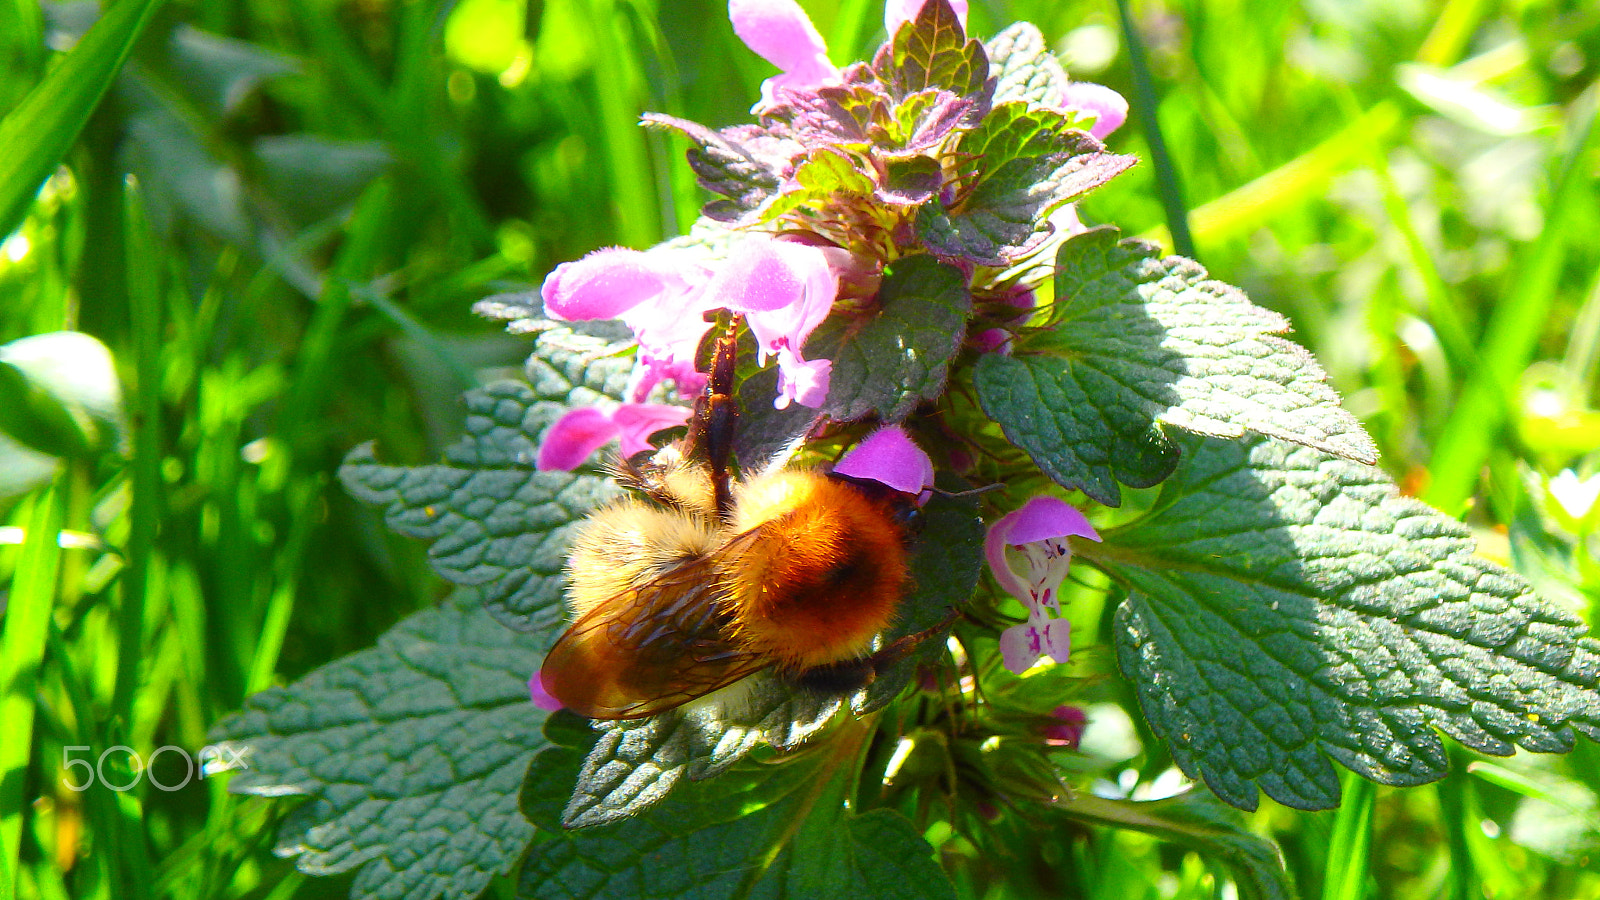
[901,356]
[726,165]
[1028,162]
[1286,606]
[636,763]
[1056,412]
[932,51]
[1137,340]
[822,177]
[846,114]
[411,755]
[497,524]
[1024,68]
[923,120]
[730,837]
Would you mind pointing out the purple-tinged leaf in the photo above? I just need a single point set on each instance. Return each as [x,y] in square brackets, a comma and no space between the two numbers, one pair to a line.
[744,165]
[932,51]
[1026,163]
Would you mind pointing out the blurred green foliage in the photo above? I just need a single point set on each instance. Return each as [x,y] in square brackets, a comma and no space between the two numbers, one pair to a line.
[279,214]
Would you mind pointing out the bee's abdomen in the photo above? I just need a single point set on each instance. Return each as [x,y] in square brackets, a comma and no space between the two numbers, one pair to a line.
[818,581]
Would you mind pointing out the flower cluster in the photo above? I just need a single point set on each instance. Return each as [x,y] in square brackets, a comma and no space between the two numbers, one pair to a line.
[848,170]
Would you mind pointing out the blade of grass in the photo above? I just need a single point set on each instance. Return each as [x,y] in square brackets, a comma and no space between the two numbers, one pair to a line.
[33,591]
[627,160]
[43,126]
[1454,807]
[1145,103]
[1350,847]
[1513,330]
[144,512]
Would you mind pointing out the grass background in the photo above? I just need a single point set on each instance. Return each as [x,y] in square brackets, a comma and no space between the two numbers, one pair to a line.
[277,213]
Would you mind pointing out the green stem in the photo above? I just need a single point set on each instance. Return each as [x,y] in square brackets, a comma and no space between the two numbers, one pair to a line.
[1349,851]
[1145,107]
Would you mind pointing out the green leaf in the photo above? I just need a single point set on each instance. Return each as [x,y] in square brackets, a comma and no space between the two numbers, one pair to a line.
[1136,341]
[221,71]
[636,762]
[312,178]
[1028,162]
[889,363]
[59,394]
[411,755]
[822,177]
[1024,68]
[1053,411]
[1287,606]
[497,524]
[39,131]
[1197,821]
[932,51]
[735,836]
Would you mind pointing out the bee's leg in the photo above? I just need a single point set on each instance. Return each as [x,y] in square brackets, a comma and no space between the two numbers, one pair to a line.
[716,415]
[849,675]
[898,650]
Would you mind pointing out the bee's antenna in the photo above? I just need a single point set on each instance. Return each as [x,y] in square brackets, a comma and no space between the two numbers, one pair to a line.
[972,492]
[716,415]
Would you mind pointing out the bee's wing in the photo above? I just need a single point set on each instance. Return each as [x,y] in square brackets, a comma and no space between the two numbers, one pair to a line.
[648,649]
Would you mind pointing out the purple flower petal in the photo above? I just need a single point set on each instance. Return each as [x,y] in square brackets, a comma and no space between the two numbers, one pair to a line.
[992,340]
[802,381]
[1039,527]
[1108,107]
[1023,645]
[1067,730]
[637,421]
[782,33]
[603,285]
[573,437]
[541,697]
[890,457]
[1045,517]
[764,274]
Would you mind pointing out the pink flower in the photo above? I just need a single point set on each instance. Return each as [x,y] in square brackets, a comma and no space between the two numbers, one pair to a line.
[541,697]
[576,435]
[607,283]
[785,289]
[1028,553]
[782,33]
[1108,107]
[660,295]
[899,12]
[890,457]
[1068,728]
[1023,645]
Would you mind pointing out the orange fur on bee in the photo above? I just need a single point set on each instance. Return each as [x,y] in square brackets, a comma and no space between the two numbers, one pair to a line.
[821,574]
